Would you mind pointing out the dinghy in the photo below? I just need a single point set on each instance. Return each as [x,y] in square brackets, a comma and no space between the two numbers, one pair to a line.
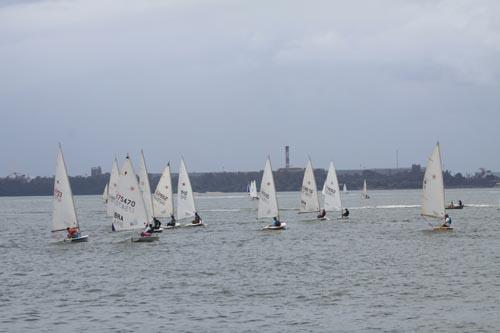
[332,199]
[145,188]
[64,213]
[252,190]
[268,202]
[309,200]
[112,186]
[163,199]
[186,208]
[433,189]
[129,210]
[365,191]
[105,194]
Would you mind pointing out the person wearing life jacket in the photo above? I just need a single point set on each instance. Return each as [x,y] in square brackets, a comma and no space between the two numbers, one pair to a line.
[73,232]
[447,221]
[276,222]
[147,231]
[345,214]
[197,218]
[171,223]
[460,203]
[321,214]
[157,224]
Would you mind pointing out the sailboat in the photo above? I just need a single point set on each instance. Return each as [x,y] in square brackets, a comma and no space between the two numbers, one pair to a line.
[129,209]
[344,190]
[332,199]
[252,190]
[433,189]
[112,186]
[185,197]
[105,194]
[309,201]
[365,191]
[163,199]
[145,188]
[268,202]
[64,213]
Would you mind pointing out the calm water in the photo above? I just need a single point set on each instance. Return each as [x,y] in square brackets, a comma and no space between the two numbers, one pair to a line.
[381,271]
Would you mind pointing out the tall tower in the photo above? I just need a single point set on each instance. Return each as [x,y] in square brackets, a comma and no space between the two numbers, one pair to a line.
[287,157]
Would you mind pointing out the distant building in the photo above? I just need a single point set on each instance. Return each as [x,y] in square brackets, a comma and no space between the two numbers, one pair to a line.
[96,171]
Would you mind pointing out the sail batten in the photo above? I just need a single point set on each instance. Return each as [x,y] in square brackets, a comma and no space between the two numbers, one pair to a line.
[309,201]
[268,202]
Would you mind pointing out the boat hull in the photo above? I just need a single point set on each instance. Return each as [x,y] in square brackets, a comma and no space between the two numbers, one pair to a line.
[272,227]
[441,228]
[77,239]
[455,207]
[195,225]
[142,239]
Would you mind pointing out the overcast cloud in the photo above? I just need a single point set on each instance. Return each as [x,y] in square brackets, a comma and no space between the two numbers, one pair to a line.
[224,83]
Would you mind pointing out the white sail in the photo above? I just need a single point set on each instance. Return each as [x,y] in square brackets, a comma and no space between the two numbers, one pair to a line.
[145,187]
[253,190]
[64,213]
[163,200]
[344,189]
[365,190]
[129,209]
[268,203]
[323,190]
[112,187]
[105,194]
[309,201]
[332,201]
[433,187]
[185,199]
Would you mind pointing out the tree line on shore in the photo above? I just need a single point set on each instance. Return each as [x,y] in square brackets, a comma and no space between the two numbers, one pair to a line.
[237,181]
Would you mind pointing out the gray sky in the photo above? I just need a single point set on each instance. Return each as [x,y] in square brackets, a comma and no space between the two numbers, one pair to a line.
[226,82]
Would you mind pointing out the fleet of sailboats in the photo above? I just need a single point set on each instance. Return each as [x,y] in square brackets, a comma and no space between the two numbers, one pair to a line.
[131,204]
[64,212]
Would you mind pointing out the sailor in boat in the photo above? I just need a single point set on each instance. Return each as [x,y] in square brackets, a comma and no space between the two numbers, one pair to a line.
[148,231]
[345,213]
[276,222]
[460,204]
[447,222]
[73,232]
[197,218]
[451,205]
[157,224]
[171,223]
[321,214]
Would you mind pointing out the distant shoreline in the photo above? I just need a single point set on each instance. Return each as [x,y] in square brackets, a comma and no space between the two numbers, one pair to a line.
[236,182]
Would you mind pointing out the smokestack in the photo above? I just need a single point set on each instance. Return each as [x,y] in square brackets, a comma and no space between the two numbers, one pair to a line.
[287,157]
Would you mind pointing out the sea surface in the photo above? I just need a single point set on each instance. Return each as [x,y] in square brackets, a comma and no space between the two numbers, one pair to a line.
[383,270]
